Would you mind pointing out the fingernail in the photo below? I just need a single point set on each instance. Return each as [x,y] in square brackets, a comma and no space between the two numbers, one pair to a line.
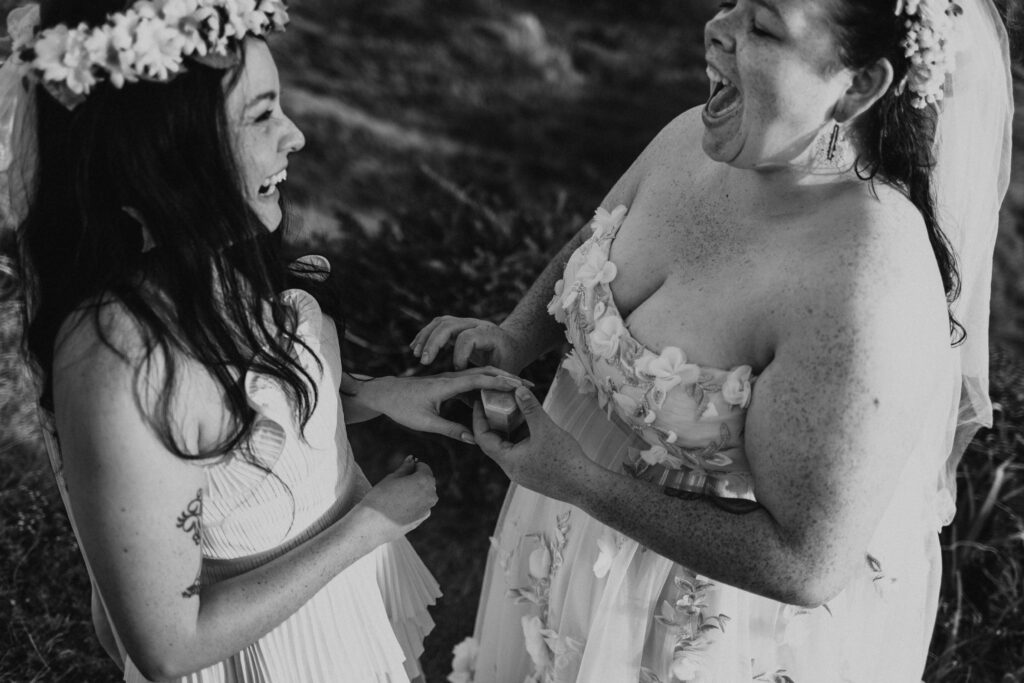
[513,381]
[523,392]
[425,358]
[409,458]
[467,437]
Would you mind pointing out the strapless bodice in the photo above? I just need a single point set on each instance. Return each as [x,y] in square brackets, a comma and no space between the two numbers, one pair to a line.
[690,416]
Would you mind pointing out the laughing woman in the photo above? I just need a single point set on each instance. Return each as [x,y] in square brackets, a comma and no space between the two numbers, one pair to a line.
[202,453]
[740,471]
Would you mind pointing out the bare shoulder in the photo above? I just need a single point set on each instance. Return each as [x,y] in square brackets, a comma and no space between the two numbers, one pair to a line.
[867,262]
[107,366]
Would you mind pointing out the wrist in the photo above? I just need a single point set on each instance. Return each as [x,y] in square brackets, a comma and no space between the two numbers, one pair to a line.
[518,346]
[367,524]
[372,393]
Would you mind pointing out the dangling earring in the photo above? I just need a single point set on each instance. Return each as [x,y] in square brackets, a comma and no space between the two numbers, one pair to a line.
[832,149]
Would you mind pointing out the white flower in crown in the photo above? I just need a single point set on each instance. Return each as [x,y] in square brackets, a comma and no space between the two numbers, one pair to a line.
[668,369]
[148,41]
[62,56]
[606,222]
[187,17]
[158,50]
[605,337]
[929,46]
[736,389]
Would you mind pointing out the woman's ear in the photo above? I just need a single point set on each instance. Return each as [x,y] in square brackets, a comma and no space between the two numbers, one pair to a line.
[868,85]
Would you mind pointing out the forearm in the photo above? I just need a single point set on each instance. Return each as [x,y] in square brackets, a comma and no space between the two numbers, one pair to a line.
[354,398]
[529,323]
[236,612]
[750,551]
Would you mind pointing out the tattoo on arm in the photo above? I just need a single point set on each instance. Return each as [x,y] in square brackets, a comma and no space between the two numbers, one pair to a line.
[193,590]
[735,506]
[191,520]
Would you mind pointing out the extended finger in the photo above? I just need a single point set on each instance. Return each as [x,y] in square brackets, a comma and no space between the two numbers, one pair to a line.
[417,343]
[468,383]
[453,430]
[441,335]
[491,371]
[465,344]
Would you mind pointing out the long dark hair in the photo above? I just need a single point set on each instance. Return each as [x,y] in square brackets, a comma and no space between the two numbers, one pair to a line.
[207,290]
[896,138]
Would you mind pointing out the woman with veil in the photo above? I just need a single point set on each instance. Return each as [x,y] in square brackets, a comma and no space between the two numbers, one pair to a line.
[778,321]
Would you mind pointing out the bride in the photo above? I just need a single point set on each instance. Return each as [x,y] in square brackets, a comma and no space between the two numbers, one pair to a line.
[778,322]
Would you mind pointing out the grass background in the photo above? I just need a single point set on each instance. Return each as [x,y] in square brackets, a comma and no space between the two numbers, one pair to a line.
[452,147]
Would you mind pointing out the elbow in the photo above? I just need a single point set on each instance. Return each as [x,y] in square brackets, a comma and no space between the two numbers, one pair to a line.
[161,664]
[809,594]
[158,668]
[812,581]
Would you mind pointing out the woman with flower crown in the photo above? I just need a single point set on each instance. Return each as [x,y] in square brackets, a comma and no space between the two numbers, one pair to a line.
[778,321]
[191,407]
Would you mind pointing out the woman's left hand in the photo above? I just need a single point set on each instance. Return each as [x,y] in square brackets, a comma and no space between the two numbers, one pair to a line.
[549,461]
[415,402]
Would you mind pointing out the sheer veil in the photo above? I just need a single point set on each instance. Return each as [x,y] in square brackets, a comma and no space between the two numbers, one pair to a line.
[971,176]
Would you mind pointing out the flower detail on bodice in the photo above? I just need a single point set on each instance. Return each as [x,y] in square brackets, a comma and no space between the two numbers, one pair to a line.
[690,416]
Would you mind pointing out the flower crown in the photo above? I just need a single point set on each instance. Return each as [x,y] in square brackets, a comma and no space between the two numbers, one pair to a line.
[930,26]
[148,42]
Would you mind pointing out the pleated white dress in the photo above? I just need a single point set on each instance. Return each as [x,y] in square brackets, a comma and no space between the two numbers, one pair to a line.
[567,599]
[368,624]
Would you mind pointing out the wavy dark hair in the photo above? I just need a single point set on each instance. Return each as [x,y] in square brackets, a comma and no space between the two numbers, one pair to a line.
[896,138]
[164,150]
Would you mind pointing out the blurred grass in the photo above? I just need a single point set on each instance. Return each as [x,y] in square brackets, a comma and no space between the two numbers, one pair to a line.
[449,153]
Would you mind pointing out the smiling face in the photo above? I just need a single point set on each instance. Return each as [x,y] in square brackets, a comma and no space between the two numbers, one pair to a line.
[262,136]
[774,80]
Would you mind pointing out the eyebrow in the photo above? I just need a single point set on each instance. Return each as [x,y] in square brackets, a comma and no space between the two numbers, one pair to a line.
[269,95]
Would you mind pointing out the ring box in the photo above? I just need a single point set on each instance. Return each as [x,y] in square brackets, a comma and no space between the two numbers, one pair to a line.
[503,415]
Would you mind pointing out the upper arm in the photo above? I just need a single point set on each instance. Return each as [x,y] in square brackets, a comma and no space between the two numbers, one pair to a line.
[137,506]
[835,413]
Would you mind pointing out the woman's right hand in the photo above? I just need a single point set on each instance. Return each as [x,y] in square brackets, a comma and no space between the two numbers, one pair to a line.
[403,499]
[479,341]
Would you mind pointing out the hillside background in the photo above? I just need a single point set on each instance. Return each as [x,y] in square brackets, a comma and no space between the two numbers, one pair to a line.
[452,147]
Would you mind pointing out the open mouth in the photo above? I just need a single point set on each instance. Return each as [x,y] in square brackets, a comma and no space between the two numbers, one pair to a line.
[269,186]
[724,97]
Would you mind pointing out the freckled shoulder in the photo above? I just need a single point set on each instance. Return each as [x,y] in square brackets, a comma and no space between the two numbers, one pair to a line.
[866,278]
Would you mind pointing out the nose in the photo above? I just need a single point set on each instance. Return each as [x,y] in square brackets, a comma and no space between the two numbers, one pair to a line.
[719,32]
[293,140]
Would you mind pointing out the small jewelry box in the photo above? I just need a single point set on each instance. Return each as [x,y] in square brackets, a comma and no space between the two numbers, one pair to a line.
[503,415]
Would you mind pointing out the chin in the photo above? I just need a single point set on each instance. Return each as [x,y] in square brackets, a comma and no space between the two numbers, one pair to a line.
[719,150]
